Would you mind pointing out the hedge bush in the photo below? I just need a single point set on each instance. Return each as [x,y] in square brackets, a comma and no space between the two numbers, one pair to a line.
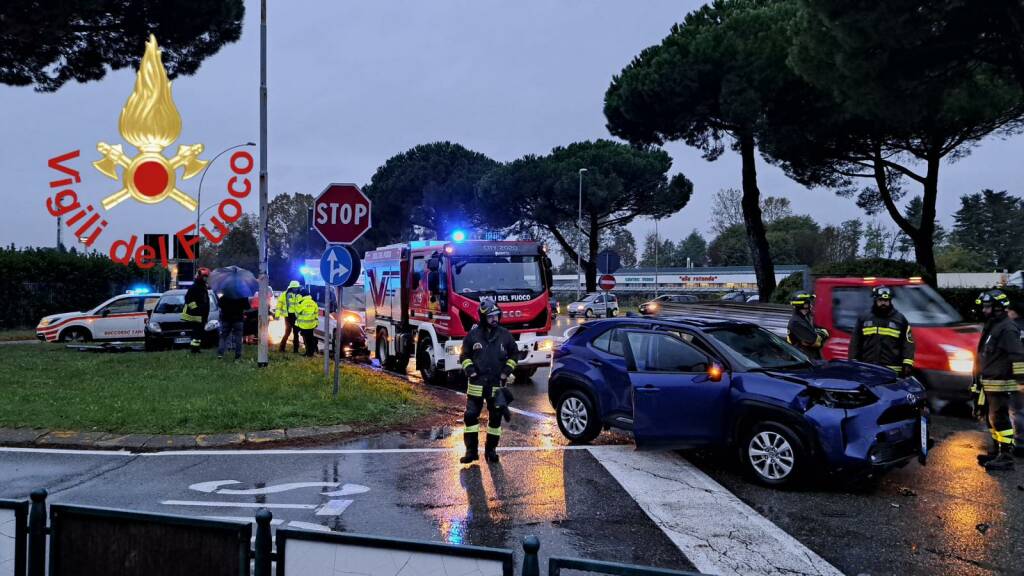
[36,282]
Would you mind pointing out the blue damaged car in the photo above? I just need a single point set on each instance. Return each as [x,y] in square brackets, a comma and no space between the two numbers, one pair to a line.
[681,382]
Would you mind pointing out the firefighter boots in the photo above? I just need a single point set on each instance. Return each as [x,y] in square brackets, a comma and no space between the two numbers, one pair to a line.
[472,440]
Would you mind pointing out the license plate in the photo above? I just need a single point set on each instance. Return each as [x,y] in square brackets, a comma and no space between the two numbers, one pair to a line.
[185,340]
[924,435]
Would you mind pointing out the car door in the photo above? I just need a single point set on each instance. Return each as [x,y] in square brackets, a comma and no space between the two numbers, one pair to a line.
[608,358]
[680,394]
[121,319]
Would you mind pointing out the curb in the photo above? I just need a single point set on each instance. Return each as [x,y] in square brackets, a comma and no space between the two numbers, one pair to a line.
[44,438]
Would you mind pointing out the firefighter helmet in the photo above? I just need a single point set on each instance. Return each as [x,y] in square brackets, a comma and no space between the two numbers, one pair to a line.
[881,293]
[203,273]
[993,298]
[294,284]
[489,308]
[801,298]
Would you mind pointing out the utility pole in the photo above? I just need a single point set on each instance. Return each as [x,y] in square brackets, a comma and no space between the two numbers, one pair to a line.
[579,227]
[262,358]
[657,244]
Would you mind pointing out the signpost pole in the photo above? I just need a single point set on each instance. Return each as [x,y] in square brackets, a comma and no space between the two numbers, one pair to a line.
[337,342]
[327,330]
[262,358]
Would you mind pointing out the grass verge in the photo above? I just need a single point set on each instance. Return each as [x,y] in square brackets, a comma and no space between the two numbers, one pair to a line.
[173,392]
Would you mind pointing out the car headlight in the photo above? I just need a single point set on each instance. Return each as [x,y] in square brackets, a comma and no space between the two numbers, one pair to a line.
[212,325]
[351,318]
[844,398]
[546,345]
[961,360]
[44,322]
[154,327]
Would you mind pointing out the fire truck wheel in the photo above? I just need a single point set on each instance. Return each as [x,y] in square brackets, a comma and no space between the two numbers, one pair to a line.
[523,375]
[428,366]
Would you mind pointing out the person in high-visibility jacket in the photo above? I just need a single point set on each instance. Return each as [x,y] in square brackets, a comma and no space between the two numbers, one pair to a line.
[287,306]
[882,336]
[801,332]
[1000,369]
[488,357]
[307,316]
[197,309]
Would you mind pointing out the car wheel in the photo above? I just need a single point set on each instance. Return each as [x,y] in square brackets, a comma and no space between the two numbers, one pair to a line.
[613,312]
[75,335]
[773,455]
[577,418]
[589,313]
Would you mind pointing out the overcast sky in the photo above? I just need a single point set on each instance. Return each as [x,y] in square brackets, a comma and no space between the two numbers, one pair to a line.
[353,83]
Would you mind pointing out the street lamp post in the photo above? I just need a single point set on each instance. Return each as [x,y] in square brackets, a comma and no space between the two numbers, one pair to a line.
[657,242]
[199,194]
[262,356]
[579,227]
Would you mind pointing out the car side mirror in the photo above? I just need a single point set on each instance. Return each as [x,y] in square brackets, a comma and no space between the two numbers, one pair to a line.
[715,372]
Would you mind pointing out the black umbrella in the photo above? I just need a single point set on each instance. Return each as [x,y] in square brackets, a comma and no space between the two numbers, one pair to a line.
[234,282]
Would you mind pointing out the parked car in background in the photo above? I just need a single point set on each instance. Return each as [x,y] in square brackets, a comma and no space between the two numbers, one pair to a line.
[595,306]
[122,317]
[702,382]
[739,297]
[165,329]
[654,306]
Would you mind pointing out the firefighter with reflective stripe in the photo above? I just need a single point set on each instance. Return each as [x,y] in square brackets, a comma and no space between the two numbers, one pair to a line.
[307,316]
[489,354]
[802,332]
[197,309]
[287,308]
[883,336]
[1001,373]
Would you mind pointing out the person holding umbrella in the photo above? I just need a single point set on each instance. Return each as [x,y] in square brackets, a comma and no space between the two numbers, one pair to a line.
[234,285]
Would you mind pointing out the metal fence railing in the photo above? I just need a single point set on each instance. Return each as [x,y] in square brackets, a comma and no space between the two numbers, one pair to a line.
[88,541]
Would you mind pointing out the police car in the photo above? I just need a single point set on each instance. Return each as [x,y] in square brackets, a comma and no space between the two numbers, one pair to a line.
[122,317]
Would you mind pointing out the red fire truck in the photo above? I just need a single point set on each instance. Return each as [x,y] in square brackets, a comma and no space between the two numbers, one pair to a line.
[423,297]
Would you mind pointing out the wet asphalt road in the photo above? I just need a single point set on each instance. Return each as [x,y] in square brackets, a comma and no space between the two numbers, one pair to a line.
[950,517]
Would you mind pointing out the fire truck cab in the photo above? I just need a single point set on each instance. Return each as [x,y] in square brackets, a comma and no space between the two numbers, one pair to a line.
[423,298]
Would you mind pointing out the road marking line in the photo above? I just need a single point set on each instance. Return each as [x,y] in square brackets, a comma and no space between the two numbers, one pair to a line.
[283,451]
[212,487]
[334,507]
[710,525]
[239,505]
[309,526]
[513,409]
[243,519]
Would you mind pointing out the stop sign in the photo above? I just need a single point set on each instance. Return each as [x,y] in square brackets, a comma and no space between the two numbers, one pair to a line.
[606,282]
[341,214]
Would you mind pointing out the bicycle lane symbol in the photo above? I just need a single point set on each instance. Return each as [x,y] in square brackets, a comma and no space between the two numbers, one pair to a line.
[335,505]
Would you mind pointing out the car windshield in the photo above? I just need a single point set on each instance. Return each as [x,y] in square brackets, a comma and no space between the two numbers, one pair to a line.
[755,347]
[497,274]
[170,304]
[920,303]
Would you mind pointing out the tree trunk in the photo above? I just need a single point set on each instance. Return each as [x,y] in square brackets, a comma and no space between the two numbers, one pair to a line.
[592,247]
[924,237]
[757,240]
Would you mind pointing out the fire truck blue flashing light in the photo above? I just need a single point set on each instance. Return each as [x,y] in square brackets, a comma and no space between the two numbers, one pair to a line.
[458,235]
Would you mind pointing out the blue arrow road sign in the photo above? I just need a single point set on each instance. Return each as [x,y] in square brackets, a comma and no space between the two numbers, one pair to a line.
[336,265]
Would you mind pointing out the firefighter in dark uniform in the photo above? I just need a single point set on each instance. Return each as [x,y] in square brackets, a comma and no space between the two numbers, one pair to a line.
[488,357]
[802,332]
[1016,313]
[197,309]
[882,336]
[1000,369]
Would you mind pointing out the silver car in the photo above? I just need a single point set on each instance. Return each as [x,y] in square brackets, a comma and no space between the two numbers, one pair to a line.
[595,306]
